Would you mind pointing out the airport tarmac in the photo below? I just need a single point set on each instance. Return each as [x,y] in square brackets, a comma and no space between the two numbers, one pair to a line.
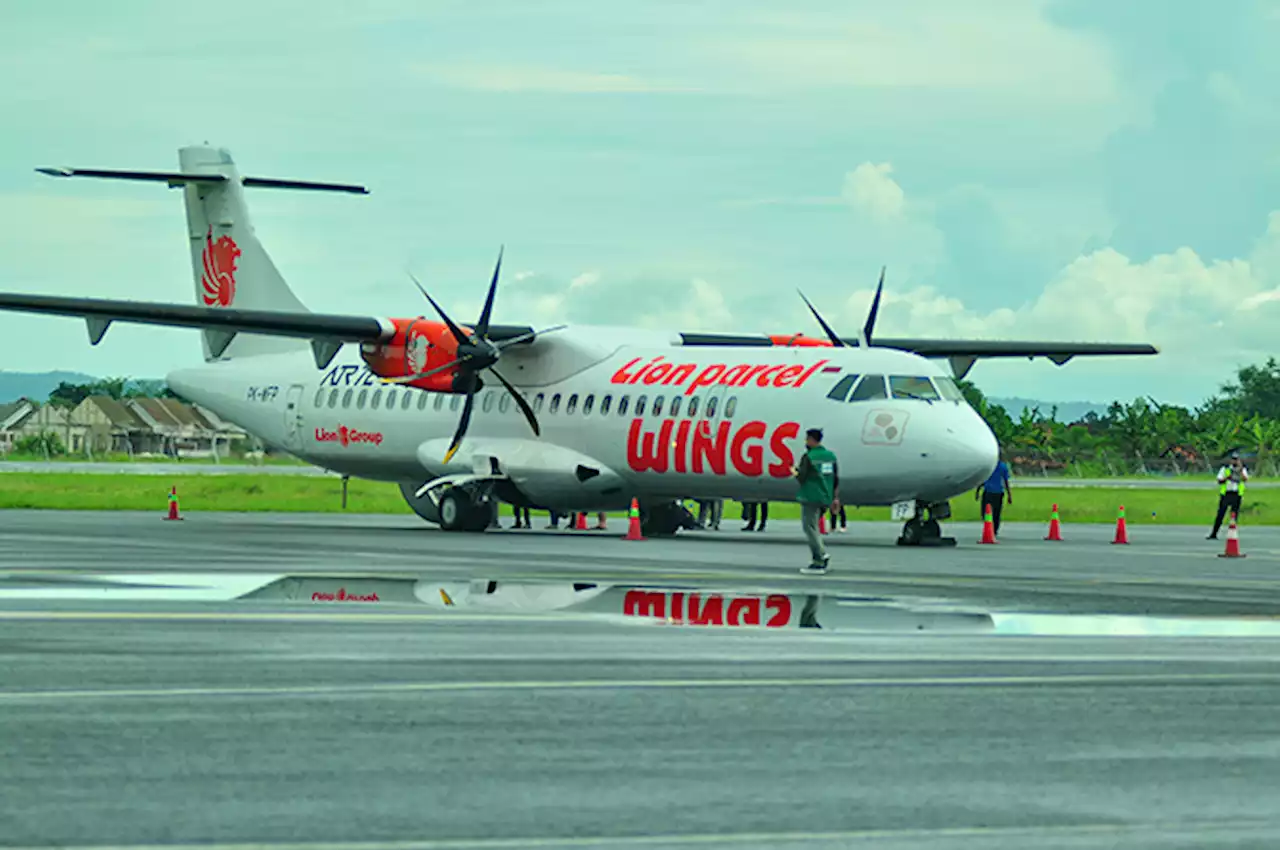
[180,684]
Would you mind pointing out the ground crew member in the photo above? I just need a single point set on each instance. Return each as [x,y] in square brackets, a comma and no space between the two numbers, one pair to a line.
[1231,481]
[837,506]
[752,510]
[816,475]
[993,492]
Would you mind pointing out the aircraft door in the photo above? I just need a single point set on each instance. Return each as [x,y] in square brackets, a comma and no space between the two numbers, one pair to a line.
[293,417]
[713,404]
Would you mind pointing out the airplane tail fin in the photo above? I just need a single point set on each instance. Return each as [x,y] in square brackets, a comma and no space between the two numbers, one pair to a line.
[230,267]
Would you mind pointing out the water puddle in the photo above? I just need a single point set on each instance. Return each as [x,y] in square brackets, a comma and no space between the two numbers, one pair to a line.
[697,606]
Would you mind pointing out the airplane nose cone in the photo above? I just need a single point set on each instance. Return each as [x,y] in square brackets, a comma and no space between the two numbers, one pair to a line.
[975,452]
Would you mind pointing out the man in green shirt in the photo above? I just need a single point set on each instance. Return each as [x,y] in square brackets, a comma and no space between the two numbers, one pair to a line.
[816,475]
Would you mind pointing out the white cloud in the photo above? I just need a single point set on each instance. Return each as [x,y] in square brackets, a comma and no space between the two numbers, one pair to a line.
[584,279]
[1001,48]
[516,78]
[870,190]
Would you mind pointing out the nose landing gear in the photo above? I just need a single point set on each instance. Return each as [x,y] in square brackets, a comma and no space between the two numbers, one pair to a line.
[925,529]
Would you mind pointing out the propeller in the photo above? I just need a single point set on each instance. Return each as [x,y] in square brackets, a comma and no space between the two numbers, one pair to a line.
[864,340]
[476,353]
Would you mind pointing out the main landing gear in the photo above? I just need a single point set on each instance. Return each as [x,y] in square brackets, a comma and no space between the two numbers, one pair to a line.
[664,519]
[924,529]
[459,503]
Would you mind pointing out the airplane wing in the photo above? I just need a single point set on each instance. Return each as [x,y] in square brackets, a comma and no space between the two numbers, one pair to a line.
[962,353]
[327,332]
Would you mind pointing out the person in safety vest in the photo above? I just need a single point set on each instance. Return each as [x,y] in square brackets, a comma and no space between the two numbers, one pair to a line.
[1231,482]
[816,476]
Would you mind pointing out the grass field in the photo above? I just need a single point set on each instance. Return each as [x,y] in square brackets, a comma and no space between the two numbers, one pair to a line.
[56,491]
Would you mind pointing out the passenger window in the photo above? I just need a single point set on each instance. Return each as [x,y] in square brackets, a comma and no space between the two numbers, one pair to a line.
[333,398]
[360,399]
[487,404]
[912,387]
[871,388]
[377,398]
[604,404]
[504,403]
[588,403]
[692,410]
[840,391]
[537,402]
[675,407]
[555,403]
[622,405]
[423,398]
[711,408]
[319,398]
[640,406]
[439,405]
[730,407]
[391,399]
[455,402]
[408,399]
[346,398]
[571,405]
[657,406]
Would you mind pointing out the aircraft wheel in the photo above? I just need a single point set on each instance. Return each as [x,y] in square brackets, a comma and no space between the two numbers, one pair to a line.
[455,508]
[912,531]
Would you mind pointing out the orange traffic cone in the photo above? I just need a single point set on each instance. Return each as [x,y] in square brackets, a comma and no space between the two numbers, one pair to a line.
[822,523]
[633,522]
[1233,541]
[988,527]
[580,524]
[1122,530]
[173,504]
[1055,528]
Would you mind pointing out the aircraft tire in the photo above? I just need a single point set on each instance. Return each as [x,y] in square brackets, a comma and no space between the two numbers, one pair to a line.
[455,511]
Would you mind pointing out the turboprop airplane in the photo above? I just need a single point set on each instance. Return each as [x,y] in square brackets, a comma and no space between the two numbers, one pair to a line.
[580,418]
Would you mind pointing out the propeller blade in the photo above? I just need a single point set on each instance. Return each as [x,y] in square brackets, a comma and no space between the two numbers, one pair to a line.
[831,335]
[530,335]
[524,405]
[409,379]
[482,327]
[464,421]
[462,338]
[875,308]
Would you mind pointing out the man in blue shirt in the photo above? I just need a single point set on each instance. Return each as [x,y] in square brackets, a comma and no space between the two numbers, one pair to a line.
[993,493]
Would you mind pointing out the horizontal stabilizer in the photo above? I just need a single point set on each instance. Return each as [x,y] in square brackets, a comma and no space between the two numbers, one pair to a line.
[177,178]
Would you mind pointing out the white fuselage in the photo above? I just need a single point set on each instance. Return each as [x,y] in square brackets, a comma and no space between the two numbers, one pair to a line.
[609,431]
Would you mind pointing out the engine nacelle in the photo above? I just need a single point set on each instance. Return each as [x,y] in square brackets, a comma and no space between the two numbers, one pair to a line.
[418,345]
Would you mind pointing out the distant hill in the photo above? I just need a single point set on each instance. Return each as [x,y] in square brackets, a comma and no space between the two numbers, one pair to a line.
[1068,411]
[36,385]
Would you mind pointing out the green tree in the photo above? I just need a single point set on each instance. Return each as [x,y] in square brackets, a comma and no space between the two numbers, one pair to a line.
[46,443]
[1256,390]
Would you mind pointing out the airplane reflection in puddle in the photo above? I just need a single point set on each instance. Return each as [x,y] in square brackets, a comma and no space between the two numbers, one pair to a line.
[696,606]
[1097,625]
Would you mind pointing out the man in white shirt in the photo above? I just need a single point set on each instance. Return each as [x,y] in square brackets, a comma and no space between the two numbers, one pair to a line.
[1231,484]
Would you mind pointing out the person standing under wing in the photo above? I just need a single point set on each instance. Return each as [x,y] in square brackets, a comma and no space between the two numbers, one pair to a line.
[816,476]
[992,492]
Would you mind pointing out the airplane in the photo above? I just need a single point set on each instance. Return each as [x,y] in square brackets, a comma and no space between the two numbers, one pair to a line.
[573,418]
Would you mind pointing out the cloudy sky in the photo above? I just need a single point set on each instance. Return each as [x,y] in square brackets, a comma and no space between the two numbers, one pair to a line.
[1070,170]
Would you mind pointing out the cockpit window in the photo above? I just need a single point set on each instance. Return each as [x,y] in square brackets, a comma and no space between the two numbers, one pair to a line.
[913,387]
[871,388]
[949,390]
[840,391]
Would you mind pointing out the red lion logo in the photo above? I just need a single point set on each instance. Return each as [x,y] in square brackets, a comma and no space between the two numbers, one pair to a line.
[344,436]
[219,277]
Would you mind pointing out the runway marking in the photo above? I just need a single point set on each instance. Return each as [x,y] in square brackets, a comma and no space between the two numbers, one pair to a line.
[1182,829]
[644,684]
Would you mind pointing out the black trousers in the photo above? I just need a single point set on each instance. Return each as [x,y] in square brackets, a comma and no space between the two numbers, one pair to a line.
[996,501]
[1227,503]
[834,512]
[752,510]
